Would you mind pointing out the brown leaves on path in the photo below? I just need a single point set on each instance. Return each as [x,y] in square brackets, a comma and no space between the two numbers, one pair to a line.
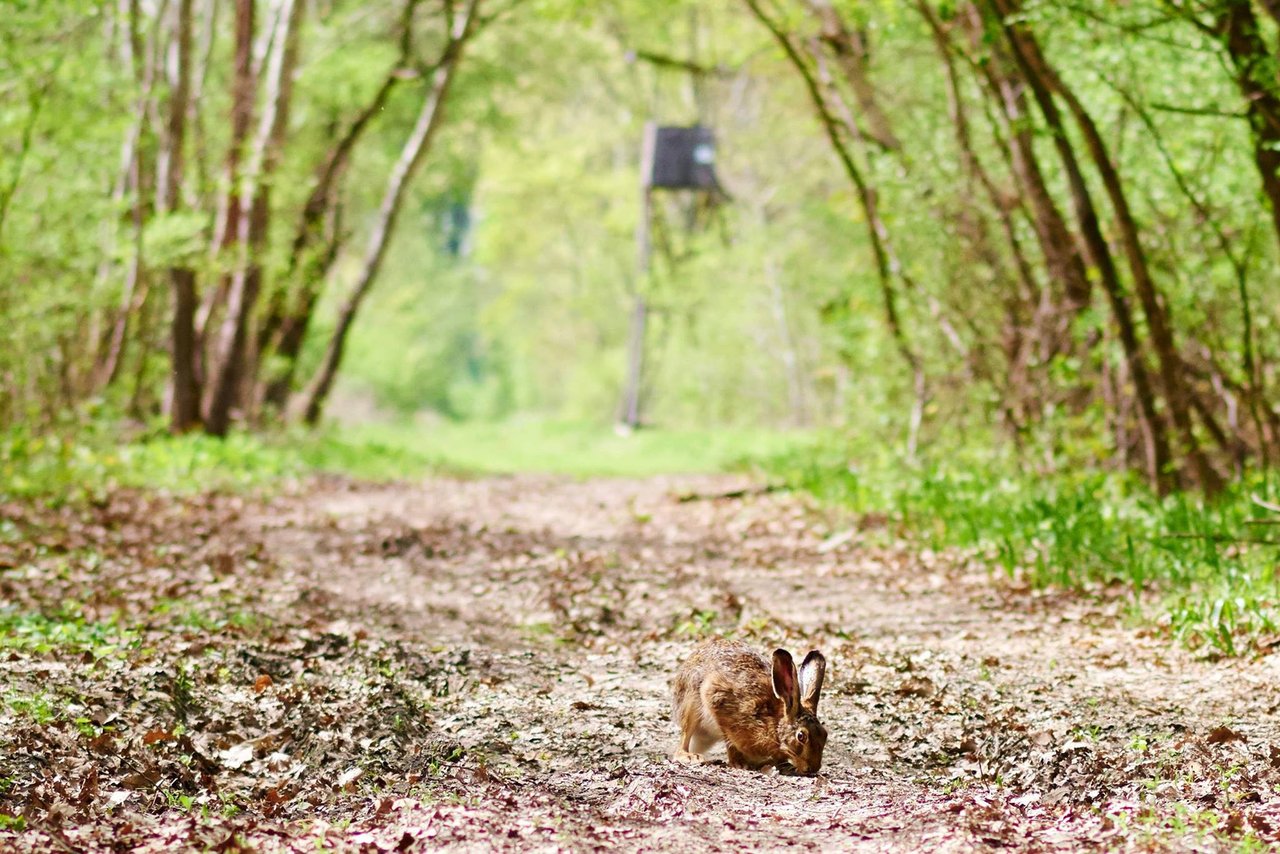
[483,665]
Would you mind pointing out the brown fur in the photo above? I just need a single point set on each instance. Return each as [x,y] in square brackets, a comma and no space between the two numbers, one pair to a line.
[765,713]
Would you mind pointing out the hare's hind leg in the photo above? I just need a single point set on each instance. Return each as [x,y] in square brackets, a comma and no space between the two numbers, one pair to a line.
[697,733]
[693,747]
[684,754]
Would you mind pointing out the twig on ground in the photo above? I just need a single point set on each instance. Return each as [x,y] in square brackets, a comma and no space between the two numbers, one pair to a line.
[732,493]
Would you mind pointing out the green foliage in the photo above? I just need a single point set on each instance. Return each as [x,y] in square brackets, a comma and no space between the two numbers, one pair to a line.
[65,630]
[83,465]
[78,465]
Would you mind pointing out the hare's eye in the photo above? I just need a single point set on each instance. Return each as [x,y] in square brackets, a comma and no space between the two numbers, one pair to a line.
[802,736]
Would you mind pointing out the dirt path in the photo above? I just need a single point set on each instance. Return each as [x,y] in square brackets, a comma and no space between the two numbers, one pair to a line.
[483,664]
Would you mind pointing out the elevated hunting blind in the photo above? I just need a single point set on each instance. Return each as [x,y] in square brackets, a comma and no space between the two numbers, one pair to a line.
[671,158]
[679,158]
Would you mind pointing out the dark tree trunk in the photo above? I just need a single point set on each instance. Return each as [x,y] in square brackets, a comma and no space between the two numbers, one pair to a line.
[184,398]
[1255,68]
[317,239]
[1057,244]
[228,250]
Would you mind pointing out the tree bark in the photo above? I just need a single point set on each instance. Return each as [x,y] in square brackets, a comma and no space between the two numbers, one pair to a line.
[411,156]
[1255,67]
[227,219]
[184,397]
[133,170]
[1238,260]
[851,53]
[252,222]
[200,187]
[877,232]
[1021,300]
[1057,244]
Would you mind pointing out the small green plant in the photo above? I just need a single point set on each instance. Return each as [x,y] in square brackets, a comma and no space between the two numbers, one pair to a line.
[181,690]
[178,800]
[38,707]
[700,624]
[64,630]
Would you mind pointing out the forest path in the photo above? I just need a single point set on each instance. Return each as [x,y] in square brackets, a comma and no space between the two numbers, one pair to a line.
[483,665]
[573,601]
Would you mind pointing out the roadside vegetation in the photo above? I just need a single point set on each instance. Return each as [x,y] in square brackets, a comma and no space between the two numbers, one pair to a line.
[1204,569]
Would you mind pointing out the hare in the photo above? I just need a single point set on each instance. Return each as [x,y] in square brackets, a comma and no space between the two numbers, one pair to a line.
[766,715]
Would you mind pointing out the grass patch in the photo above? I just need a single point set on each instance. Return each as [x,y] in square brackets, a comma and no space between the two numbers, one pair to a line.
[1212,564]
[85,463]
[557,447]
[65,631]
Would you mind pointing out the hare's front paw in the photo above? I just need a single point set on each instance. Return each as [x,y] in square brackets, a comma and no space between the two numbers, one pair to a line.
[687,758]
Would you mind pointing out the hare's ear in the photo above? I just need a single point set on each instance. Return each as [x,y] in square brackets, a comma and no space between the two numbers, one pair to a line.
[786,684]
[812,671]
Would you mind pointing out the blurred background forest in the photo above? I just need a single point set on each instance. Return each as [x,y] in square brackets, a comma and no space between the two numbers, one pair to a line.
[1023,251]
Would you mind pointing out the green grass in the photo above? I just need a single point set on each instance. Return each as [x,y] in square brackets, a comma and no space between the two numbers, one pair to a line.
[81,465]
[1210,565]
[84,463]
[558,447]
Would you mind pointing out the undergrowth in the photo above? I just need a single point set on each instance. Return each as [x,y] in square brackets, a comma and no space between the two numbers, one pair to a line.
[82,460]
[82,464]
[1210,564]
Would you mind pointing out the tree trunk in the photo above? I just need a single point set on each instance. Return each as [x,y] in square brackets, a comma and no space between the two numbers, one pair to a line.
[411,156]
[877,232]
[200,187]
[1037,67]
[133,169]
[226,373]
[317,239]
[184,398]
[850,50]
[1057,244]
[1157,456]
[225,247]
[1238,259]
[1256,78]
[1018,392]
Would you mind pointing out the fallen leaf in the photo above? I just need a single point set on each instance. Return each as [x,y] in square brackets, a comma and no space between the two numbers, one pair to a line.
[234,757]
